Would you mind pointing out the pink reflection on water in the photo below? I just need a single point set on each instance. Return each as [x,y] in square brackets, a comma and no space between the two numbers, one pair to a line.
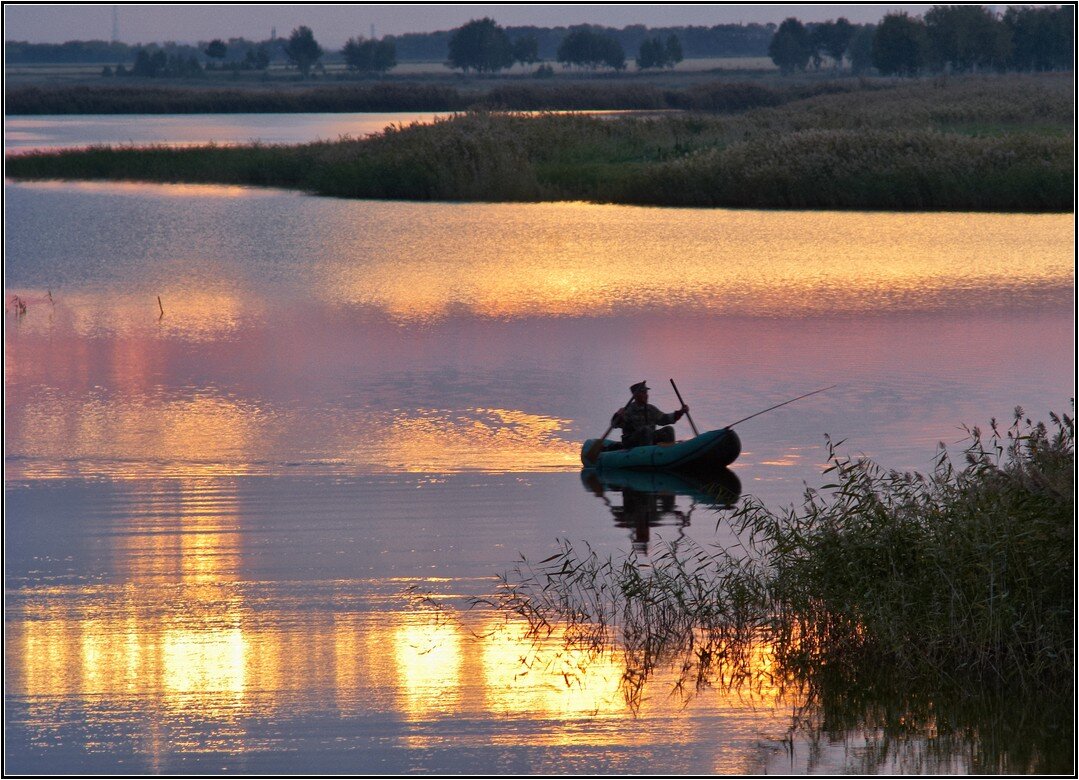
[269,388]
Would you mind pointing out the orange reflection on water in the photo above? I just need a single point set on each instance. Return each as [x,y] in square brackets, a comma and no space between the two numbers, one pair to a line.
[431,440]
[133,437]
[428,666]
[207,435]
[564,681]
[219,666]
[143,189]
[572,259]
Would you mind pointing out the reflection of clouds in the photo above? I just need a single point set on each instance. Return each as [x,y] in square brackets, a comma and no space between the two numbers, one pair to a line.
[431,440]
[189,315]
[199,129]
[145,190]
[588,260]
[129,437]
[204,433]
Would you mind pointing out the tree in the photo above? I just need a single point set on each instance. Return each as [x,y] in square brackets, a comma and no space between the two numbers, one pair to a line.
[589,49]
[790,48]
[654,53]
[1042,38]
[650,55]
[899,45]
[526,49]
[833,38]
[257,59]
[149,65]
[370,56]
[480,45]
[860,48]
[966,37]
[216,49]
[672,50]
[303,50]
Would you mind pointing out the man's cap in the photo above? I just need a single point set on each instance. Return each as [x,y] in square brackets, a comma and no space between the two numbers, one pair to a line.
[640,387]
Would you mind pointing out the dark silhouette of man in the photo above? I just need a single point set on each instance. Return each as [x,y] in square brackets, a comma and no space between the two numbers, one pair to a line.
[638,420]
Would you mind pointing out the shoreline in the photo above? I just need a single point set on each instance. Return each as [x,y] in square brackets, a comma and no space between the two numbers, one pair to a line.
[993,144]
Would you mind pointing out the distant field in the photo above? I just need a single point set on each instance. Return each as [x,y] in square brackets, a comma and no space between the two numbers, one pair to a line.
[689,65]
[74,72]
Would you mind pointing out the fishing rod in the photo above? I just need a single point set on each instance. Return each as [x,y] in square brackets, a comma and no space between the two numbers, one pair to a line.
[770,408]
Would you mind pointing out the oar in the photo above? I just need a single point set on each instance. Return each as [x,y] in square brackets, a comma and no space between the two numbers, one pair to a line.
[770,408]
[691,425]
[597,448]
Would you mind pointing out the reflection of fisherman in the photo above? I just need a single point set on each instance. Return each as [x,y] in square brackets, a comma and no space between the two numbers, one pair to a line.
[641,511]
[638,420]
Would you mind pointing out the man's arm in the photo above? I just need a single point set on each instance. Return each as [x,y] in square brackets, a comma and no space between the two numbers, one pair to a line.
[669,418]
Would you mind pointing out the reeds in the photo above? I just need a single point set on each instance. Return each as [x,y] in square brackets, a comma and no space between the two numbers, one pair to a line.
[957,581]
[984,144]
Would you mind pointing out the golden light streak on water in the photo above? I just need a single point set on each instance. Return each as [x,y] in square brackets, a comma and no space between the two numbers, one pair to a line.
[198,662]
[156,190]
[431,440]
[136,437]
[588,260]
[209,436]
[563,682]
[421,667]
[428,661]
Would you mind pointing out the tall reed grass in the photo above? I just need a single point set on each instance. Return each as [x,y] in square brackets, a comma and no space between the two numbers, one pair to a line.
[883,596]
[980,144]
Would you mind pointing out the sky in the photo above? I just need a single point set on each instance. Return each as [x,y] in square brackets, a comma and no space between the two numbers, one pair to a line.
[333,24]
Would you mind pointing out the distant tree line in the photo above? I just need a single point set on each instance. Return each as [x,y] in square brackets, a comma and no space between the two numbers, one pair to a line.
[656,53]
[958,38]
[724,40]
[482,45]
[90,52]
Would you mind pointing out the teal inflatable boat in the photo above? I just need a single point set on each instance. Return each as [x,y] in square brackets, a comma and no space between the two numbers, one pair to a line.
[710,450]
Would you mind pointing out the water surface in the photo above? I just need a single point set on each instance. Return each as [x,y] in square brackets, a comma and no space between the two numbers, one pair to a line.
[215,503]
[30,133]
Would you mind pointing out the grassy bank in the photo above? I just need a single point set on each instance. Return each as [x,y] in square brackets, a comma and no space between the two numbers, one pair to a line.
[887,600]
[979,144]
[431,95]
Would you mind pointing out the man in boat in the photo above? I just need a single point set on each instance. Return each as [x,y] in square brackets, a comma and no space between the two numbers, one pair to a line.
[638,420]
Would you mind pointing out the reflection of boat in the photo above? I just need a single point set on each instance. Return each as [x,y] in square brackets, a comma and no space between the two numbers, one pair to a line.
[649,497]
[709,451]
[720,487]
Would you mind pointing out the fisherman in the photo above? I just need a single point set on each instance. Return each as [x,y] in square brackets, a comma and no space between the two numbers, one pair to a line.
[638,420]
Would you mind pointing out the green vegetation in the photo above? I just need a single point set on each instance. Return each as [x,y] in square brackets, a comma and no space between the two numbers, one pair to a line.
[949,38]
[983,144]
[303,50]
[516,95]
[370,56]
[654,53]
[480,45]
[586,48]
[888,600]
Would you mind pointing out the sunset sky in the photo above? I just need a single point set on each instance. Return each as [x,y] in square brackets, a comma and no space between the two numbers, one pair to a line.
[333,24]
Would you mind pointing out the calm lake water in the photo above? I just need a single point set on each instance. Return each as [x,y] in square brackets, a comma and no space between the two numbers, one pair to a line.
[215,504]
[28,133]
